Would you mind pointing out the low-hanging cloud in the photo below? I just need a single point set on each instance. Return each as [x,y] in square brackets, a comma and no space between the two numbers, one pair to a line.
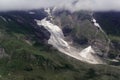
[73,5]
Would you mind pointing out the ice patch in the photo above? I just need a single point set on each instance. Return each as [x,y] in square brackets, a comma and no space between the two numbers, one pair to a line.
[95,23]
[90,55]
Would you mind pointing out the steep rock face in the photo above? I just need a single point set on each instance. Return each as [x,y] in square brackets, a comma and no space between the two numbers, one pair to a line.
[25,20]
[79,28]
[110,22]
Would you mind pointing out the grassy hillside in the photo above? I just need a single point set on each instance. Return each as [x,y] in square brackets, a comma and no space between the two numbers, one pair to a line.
[28,59]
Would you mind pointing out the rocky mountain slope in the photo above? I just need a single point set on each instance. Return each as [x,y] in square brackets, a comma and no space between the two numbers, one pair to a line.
[33,48]
[110,22]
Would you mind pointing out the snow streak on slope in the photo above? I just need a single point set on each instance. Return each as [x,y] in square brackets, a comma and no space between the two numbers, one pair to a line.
[96,24]
[99,27]
[57,39]
[3,18]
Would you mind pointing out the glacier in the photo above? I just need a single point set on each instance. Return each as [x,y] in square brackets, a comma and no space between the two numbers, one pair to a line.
[58,41]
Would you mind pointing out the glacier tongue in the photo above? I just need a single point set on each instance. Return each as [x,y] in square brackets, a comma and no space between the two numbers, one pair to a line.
[57,40]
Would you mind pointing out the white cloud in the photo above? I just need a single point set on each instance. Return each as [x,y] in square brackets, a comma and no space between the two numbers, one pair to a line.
[96,5]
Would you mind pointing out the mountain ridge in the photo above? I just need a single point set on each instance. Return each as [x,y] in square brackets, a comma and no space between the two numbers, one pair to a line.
[38,60]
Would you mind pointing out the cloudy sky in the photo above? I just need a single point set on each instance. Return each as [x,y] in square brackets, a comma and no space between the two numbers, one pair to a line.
[73,5]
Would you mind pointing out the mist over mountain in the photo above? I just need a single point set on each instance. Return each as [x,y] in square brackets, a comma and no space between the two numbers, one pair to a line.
[73,5]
